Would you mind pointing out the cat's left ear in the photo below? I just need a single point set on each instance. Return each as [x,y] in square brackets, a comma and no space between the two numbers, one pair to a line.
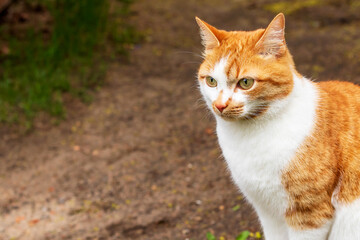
[272,42]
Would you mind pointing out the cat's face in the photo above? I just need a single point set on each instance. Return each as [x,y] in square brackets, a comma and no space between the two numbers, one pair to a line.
[245,73]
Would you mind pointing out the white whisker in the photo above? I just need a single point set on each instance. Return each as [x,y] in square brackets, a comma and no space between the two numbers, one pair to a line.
[189,52]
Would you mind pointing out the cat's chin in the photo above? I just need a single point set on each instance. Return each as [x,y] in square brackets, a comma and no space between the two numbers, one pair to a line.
[229,118]
[240,118]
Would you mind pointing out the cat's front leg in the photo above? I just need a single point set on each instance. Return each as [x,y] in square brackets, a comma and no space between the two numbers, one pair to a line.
[274,229]
[320,233]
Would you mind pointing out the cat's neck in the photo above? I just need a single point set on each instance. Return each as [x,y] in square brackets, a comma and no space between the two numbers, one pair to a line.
[298,108]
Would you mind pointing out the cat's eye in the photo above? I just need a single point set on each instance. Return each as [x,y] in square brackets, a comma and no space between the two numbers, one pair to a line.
[211,82]
[246,83]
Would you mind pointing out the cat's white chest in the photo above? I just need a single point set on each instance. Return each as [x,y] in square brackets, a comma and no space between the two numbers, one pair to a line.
[256,159]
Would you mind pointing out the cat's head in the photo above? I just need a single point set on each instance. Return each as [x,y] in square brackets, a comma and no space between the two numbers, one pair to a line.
[244,74]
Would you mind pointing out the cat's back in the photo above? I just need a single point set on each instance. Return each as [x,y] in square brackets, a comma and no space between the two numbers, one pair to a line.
[338,111]
[340,92]
[339,115]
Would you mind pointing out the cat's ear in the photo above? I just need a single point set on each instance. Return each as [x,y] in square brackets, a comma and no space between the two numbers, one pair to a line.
[210,35]
[272,42]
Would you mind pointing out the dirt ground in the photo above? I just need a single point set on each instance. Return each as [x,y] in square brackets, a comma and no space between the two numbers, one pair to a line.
[142,161]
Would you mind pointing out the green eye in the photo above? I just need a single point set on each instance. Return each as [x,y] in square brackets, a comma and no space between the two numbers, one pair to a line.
[246,83]
[211,82]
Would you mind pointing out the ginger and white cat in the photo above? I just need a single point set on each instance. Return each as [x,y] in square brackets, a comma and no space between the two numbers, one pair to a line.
[292,145]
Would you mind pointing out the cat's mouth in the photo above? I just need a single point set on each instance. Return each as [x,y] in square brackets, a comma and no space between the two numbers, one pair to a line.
[229,114]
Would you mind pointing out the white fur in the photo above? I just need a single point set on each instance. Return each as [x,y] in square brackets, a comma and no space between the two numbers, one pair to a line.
[320,233]
[347,222]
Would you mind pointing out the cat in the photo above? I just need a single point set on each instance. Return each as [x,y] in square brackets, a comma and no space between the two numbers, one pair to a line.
[292,145]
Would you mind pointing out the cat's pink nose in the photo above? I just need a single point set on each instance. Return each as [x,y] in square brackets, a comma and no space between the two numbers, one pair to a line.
[221,106]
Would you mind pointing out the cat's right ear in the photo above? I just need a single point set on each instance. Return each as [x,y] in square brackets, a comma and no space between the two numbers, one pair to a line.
[210,35]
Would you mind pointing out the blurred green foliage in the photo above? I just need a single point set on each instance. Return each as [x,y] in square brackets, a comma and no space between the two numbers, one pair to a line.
[37,72]
[288,7]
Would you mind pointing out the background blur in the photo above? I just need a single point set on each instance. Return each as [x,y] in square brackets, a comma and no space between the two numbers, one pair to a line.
[103,133]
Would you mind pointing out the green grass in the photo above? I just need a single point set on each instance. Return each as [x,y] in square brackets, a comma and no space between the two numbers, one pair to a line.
[244,235]
[37,72]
